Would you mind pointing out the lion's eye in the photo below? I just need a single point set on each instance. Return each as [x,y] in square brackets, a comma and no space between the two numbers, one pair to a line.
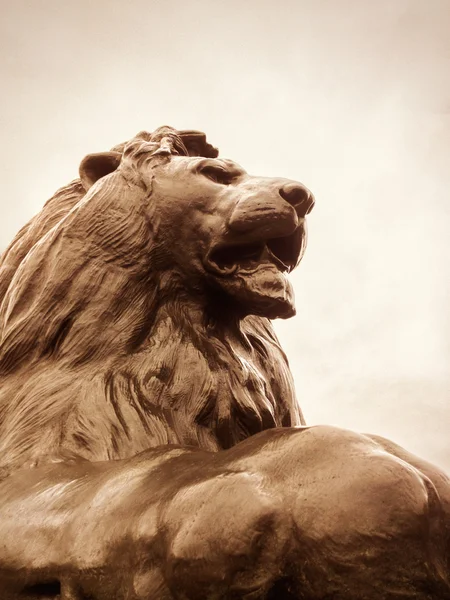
[217,174]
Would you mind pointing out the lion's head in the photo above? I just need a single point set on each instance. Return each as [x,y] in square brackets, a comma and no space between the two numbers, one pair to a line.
[225,234]
[163,262]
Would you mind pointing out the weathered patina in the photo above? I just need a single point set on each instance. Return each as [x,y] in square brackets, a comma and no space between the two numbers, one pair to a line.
[151,444]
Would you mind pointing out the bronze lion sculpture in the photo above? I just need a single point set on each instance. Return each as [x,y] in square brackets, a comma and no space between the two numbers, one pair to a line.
[152,446]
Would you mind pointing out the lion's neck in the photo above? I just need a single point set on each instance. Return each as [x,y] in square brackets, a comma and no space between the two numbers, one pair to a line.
[206,377]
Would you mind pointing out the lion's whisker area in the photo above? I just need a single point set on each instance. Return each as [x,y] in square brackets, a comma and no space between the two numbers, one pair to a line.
[151,442]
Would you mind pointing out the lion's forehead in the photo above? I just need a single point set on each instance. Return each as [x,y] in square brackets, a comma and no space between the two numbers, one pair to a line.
[197,161]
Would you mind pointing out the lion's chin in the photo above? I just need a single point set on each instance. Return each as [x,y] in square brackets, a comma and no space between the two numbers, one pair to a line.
[264,290]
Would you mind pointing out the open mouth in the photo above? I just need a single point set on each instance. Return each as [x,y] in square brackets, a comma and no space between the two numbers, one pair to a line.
[283,252]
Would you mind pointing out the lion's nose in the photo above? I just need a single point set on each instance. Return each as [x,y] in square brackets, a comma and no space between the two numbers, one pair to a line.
[298,196]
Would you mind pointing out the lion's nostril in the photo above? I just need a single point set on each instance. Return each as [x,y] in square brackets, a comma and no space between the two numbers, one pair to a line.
[298,196]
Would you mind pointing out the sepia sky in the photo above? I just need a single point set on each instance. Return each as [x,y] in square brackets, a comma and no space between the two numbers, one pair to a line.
[351,97]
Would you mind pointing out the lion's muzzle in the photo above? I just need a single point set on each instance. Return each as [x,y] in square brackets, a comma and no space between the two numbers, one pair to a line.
[273,207]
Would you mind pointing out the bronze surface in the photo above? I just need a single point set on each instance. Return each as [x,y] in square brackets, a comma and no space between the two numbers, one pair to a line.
[152,446]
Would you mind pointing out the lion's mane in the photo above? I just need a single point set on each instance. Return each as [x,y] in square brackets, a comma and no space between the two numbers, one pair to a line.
[98,359]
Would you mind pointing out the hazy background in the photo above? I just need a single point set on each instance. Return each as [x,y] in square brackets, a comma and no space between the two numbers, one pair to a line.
[352,97]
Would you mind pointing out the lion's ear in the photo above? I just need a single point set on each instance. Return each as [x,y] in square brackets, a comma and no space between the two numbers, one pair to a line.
[95,166]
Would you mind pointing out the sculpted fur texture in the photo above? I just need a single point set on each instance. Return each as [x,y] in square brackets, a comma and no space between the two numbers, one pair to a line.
[151,445]
[115,321]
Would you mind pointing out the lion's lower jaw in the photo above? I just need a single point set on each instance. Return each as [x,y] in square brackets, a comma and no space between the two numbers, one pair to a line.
[266,292]
[278,308]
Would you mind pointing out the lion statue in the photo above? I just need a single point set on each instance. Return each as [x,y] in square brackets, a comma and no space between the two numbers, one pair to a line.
[152,446]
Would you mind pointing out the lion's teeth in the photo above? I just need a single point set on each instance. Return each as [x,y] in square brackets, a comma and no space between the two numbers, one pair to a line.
[277,261]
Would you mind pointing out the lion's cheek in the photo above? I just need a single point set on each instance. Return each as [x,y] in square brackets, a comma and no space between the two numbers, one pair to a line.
[266,291]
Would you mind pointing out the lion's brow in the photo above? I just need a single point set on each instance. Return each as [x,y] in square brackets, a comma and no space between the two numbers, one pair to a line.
[232,168]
